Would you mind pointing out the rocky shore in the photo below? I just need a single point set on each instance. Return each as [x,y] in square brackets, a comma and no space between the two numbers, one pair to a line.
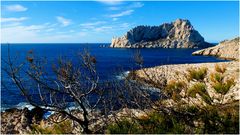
[228,49]
[162,75]
[178,34]
[157,75]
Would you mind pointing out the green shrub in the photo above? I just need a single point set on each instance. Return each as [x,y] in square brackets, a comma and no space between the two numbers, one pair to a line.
[64,127]
[192,109]
[155,123]
[173,89]
[220,119]
[199,88]
[212,119]
[216,77]
[219,84]
[196,88]
[223,87]
[197,74]
[124,126]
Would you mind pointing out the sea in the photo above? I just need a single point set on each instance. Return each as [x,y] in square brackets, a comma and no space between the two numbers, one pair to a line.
[111,63]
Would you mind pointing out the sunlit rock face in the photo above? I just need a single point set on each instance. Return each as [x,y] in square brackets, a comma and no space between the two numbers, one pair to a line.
[228,49]
[178,34]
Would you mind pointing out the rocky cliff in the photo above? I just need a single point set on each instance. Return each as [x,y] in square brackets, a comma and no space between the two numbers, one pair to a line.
[178,34]
[228,49]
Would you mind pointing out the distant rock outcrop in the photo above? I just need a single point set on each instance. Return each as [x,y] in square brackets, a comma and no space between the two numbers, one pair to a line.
[178,34]
[228,49]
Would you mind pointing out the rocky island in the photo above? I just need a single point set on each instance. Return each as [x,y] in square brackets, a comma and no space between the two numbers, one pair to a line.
[178,34]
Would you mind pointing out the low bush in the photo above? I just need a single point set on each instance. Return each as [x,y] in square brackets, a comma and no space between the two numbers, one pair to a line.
[173,89]
[155,123]
[199,88]
[64,127]
[197,74]
[220,68]
[123,126]
[216,77]
[190,119]
[220,119]
[221,85]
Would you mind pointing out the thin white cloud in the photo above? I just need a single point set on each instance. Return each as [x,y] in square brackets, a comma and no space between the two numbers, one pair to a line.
[111,2]
[103,29]
[92,23]
[136,5]
[63,21]
[129,9]
[123,13]
[49,30]
[124,25]
[13,19]
[107,28]
[82,34]
[114,8]
[16,8]
[37,34]
[115,19]
[36,27]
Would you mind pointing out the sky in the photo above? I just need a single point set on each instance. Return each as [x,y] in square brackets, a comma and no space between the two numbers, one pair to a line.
[99,21]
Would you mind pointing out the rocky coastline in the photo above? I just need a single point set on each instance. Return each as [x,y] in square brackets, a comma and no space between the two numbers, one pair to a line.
[227,49]
[177,34]
[167,73]
[25,121]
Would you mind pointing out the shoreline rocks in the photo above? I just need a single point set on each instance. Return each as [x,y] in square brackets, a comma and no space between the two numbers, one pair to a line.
[178,34]
[24,121]
[228,49]
[155,75]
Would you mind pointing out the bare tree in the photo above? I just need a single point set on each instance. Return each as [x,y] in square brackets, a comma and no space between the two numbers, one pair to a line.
[68,82]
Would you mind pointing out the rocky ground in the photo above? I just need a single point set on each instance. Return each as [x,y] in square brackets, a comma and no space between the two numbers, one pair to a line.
[156,75]
[24,121]
[18,121]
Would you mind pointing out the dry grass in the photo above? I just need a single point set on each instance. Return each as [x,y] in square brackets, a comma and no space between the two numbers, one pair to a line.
[197,74]
[220,68]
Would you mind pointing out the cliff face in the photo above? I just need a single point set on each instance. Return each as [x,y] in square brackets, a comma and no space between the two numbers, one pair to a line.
[228,49]
[178,34]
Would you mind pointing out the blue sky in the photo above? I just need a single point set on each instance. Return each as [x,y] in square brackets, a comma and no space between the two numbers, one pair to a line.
[99,21]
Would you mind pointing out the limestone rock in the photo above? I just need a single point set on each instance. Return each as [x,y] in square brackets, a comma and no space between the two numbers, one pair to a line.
[18,121]
[15,121]
[177,72]
[178,34]
[228,49]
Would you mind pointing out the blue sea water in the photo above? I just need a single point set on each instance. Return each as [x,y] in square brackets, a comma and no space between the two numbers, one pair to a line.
[109,61]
